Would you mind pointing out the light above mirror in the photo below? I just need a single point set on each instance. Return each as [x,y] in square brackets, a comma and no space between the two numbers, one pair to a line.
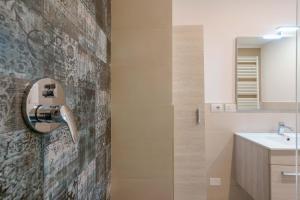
[287,29]
[282,32]
[272,36]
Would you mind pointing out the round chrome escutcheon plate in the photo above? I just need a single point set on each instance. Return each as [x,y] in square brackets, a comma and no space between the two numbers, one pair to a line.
[44,92]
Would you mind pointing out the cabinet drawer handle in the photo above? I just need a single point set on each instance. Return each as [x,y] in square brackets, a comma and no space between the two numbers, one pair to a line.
[290,174]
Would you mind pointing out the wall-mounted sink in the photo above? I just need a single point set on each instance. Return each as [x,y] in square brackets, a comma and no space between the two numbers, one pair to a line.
[273,141]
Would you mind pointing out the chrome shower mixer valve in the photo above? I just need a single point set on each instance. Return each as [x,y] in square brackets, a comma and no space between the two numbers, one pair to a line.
[44,108]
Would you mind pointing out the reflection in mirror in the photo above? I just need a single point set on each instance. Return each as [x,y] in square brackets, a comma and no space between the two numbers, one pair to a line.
[265,73]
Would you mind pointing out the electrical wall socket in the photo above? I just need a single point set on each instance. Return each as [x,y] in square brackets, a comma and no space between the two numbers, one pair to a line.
[217,107]
[230,107]
[215,181]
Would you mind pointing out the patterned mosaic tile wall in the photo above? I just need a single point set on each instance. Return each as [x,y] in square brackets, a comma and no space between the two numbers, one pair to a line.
[68,40]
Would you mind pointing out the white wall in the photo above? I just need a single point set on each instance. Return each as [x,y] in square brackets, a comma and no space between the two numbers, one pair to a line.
[223,21]
[278,69]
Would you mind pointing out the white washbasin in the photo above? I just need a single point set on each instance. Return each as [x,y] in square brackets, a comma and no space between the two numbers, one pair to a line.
[273,141]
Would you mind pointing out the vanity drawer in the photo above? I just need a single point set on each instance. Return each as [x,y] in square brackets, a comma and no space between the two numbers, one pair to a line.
[286,157]
[283,185]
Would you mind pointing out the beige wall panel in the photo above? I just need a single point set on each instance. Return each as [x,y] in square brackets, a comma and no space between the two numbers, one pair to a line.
[142,47]
[141,14]
[142,111]
[188,72]
[142,189]
[188,96]
[142,153]
[142,138]
[193,141]
[278,106]
[138,85]
[189,157]
[245,122]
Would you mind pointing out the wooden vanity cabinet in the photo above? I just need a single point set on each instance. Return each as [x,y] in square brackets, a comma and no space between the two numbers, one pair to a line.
[263,173]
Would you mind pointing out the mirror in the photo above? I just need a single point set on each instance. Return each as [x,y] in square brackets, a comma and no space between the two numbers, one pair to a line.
[265,73]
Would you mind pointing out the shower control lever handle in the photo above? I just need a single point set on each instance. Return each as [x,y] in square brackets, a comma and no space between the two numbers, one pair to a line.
[56,114]
[68,117]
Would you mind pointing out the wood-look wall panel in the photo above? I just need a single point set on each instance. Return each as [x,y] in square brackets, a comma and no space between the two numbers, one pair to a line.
[142,138]
[142,110]
[142,189]
[188,97]
[147,85]
[141,14]
[188,66]
[149,47]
